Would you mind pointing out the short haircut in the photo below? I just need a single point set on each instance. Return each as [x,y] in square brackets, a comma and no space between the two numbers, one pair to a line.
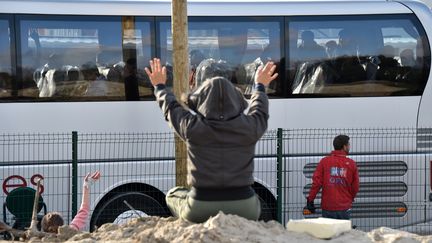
[51,222]
[339,141]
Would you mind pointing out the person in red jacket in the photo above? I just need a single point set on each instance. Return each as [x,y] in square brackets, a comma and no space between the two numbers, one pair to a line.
[338,178]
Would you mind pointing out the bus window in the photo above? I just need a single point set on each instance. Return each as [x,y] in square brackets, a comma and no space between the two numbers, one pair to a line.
[136,53]
[243,43]
[357,56]
[83,58]
[5,60]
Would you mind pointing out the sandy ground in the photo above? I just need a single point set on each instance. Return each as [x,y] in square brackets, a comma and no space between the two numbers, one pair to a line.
[221,229]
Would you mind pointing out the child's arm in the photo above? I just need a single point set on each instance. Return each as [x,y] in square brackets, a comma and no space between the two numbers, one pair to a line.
[80,219]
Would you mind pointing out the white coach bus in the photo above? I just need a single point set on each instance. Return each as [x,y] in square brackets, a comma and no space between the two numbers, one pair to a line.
[70,65]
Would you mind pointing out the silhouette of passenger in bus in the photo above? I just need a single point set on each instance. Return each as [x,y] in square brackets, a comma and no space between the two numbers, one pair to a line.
[272,52]
[309,50]
[414,71]
[407,58]
[388,65]
[347,63]
[96,82]
[344,68]
[110,65]
[90,71]
[196,57]
[407,66]
[331,49]
[347,45]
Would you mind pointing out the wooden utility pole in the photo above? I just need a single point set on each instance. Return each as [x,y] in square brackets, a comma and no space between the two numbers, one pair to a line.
[179,29]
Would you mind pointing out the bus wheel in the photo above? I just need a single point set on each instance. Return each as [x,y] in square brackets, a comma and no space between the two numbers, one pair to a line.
[268,210]
[125,206]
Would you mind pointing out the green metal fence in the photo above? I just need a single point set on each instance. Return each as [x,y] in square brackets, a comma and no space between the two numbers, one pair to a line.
[394,169]
[138,169]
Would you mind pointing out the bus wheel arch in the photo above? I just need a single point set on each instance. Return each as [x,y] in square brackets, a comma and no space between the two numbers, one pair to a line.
[268,202]
[145,199]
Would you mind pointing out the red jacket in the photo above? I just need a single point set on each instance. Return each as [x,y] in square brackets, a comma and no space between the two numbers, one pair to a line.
[338,177]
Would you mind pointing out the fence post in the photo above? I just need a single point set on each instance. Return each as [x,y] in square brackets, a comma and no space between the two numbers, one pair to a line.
[74,173]
[279,175]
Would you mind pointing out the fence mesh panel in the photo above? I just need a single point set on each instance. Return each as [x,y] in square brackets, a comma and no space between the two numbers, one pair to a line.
[392,175]
[139,168]
[25,158]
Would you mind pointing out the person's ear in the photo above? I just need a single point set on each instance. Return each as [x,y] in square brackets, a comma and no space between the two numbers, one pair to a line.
[346,147]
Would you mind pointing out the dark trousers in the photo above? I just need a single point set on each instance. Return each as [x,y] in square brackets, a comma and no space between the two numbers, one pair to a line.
[185,207]
[344,214]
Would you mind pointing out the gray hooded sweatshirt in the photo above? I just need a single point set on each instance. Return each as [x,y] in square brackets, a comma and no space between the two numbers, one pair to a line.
[220,137]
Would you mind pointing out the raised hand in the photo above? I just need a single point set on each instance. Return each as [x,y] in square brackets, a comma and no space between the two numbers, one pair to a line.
[157,74]
[91,178]
[266,74]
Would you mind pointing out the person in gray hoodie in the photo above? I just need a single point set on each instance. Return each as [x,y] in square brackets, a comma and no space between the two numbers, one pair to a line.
[220,139]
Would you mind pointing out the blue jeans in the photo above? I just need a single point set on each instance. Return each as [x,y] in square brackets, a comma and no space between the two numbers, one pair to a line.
[343,214]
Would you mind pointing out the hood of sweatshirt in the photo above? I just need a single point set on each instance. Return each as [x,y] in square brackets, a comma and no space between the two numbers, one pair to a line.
[218,99]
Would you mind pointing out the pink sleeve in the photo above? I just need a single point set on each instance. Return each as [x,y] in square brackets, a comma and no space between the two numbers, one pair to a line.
[80,219]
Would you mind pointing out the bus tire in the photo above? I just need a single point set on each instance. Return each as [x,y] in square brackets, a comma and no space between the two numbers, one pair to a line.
[115,206]
[267,210]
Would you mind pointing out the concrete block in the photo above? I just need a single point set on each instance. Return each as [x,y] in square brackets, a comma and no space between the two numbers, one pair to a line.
[322,228]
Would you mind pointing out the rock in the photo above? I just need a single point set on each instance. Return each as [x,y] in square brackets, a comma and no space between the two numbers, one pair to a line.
[384,234]
[65,232]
